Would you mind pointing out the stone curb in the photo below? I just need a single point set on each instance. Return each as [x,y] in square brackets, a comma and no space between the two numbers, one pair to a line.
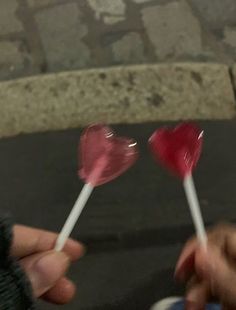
[129,94]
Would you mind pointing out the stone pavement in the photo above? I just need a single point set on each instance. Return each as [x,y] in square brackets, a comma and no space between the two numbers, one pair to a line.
[38,36]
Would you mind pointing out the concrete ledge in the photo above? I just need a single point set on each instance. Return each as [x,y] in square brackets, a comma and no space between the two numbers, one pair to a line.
[233,75]
[127,94]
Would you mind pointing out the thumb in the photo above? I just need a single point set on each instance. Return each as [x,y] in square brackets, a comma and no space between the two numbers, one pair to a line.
[214,267]
[44,270]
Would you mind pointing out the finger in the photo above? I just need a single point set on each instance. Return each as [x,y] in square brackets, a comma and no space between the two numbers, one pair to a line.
[185,265]
[27,241]
[216,236]
[186,270]
[197,294]
[61,293]
[213,267]
[45,269]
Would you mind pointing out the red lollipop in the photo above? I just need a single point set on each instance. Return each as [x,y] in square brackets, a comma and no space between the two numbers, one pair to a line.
[103,157]
[179,150]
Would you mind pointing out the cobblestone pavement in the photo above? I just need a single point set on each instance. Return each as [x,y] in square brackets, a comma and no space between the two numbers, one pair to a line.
[38,36]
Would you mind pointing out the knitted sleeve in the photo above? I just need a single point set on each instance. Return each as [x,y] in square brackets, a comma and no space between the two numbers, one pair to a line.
[15,289]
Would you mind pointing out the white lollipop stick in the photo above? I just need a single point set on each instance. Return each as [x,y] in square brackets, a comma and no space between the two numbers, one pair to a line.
[79,204]
[195,209]
[73,216]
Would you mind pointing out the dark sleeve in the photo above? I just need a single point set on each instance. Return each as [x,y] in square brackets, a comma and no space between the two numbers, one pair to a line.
[15,289]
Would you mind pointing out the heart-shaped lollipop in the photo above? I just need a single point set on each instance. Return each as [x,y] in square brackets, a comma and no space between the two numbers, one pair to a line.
[103,157]
[179,150]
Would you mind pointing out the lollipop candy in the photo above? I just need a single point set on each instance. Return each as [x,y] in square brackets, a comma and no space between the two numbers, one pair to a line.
[179,150]
[103,157]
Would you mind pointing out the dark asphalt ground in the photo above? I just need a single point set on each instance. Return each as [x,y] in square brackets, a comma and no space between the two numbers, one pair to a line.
[134,227]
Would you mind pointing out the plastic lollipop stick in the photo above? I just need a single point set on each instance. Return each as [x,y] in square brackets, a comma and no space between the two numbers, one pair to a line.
[74,215]
[179,150]
[80,204]
[103,157]
[195,209]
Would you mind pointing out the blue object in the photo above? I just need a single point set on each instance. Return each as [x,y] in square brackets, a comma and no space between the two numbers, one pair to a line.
[180,306]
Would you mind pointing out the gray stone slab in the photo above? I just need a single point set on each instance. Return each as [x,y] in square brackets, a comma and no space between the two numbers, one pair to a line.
[171,34]
[41,4]
[62,38]
[217,13]
[110,11]
[218,20]
[141,1]
[12,59]
[129,49]
[8,19]
[120,94]
[230,36]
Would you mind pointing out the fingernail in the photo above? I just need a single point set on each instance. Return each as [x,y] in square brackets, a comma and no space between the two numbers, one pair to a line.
[47,270]
[182,269]
[178,268]
[178,265]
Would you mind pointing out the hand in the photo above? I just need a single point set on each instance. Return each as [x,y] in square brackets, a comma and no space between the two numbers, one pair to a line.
[44,267]
[210,273]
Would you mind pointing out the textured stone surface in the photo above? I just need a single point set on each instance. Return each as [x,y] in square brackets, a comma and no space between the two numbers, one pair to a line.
[141,1]
[112,8]
[11,59]
[129,49]
[41,3]
[129,94]
[173,36]
[8,20]
[230,36]
[216,12]
[67,35]
[62,38]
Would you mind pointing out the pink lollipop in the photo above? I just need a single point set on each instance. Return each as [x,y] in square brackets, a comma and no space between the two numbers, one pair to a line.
[179,150]
[103,157]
